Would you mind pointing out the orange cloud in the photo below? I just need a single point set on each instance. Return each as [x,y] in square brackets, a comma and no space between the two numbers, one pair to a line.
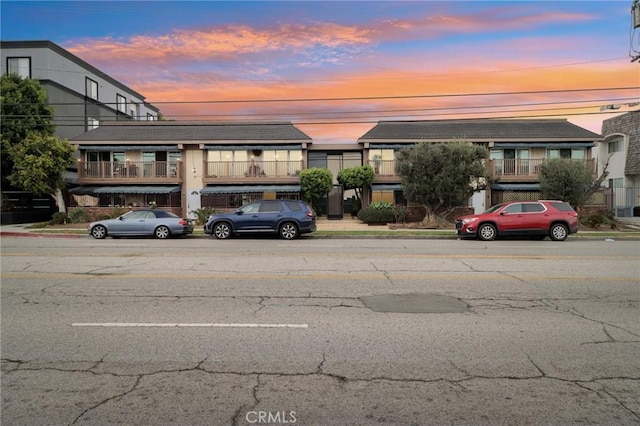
[220,42]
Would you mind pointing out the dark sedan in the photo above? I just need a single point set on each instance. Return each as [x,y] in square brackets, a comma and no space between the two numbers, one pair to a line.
[142,223]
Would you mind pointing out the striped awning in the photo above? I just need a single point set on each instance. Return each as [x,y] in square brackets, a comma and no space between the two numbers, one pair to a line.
[125,189]
[515,187]
[548,145]
[243,189]
[386,187]
[122,148]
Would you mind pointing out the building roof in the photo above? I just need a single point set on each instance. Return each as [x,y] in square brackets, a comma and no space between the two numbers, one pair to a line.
[184,132]
[486,130]
[46,44]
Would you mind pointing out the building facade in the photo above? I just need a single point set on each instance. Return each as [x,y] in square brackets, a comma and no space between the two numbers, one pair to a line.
[186,166]
[82,97]
[517,149]
[620,151]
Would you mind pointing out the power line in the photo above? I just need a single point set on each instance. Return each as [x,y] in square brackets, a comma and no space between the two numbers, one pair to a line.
[362,98]
[599,103]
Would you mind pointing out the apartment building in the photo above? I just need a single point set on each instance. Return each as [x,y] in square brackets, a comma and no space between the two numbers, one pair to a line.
[620,148]
[184,166]
[82,97]
[517,149]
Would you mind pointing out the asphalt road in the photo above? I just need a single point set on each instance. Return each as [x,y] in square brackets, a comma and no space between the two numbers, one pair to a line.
[262,331]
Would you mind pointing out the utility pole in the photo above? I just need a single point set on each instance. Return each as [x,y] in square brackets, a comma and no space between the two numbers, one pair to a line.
[635,29]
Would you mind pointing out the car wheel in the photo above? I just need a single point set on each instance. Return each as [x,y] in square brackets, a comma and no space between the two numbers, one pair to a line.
[558,232]
[162,232]
[288,231]
[99,232]
[222,231]
[487,232]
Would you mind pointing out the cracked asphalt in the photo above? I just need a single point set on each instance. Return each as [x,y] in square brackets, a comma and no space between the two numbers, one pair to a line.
[203,332]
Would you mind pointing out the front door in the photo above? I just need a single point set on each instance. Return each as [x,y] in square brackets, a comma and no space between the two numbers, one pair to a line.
[335,208]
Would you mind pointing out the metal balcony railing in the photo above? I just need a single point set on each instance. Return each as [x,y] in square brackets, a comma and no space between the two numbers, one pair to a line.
[254,168]
[129,170]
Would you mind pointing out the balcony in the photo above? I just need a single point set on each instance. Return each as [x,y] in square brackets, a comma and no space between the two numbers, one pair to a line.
[118,172]
[252,171]
[522,170]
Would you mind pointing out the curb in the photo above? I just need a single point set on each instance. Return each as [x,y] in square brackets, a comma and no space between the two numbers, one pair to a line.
[38,235]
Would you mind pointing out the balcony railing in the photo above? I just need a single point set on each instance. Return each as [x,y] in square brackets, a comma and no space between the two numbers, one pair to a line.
[513,168]
[129,170]
[383,167]
[241,169]
[523,168]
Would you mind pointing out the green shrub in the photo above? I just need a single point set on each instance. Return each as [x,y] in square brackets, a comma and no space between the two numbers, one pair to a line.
[376,215]
[593,221]
[399,214]
[59,218]
[378,205]
[79,215]
[203,214]
[116,212]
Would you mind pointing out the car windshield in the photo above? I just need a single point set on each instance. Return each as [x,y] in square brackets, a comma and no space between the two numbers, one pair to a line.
[494,208]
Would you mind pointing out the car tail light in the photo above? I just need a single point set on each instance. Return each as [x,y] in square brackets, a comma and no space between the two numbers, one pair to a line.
[310,214]
[183,222]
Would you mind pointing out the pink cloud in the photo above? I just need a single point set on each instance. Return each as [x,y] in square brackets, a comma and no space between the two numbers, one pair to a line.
[218,42]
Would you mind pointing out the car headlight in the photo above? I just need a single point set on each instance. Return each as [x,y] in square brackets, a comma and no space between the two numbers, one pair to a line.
[469,220]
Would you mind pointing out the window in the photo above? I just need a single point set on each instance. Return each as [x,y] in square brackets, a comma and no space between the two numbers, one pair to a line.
[270,207]
[614,146]
[616,183]
[513,208]
[92,123]
[575,153]
[20,66]
[533,208]
[121,103]
[91,89]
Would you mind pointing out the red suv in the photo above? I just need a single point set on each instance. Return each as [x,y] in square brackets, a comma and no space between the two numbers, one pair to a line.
[555,219]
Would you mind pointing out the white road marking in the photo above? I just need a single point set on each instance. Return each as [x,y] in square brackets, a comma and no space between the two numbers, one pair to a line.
[183,324]
[117,245]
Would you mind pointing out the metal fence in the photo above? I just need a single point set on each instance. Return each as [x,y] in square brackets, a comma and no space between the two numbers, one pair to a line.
[623,202]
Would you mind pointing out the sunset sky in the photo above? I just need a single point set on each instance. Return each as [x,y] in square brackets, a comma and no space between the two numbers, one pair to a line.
[335,68]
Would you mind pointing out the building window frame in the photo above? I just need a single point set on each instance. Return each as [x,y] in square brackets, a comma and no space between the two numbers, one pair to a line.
[22,69]
[614,146]
[91,88]
[92,123]
[121,103]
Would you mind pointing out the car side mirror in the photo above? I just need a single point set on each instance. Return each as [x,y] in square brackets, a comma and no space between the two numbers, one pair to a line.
[503,213]
[120,218]
[239,212]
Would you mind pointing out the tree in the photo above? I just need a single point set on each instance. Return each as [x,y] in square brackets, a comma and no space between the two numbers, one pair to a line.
[440,175]
[315,183]
[23,109]
[39,164]
[356,178]
[570,180]
[32,158]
